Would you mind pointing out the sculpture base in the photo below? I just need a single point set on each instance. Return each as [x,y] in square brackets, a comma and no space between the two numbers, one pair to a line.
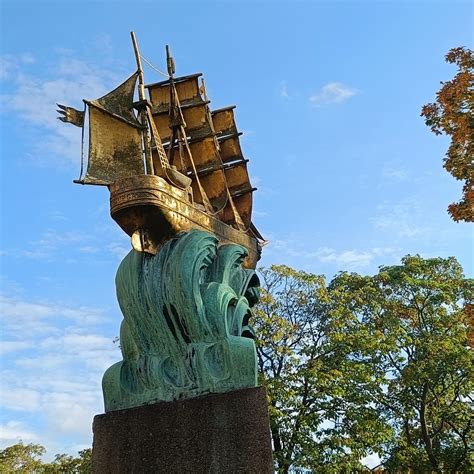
[217,433]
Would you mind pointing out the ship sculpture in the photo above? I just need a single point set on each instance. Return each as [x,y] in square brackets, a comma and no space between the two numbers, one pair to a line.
[170,163]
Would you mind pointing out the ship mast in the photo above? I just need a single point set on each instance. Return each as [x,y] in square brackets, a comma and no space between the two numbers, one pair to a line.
[143,109]
[237,219]
[177,126]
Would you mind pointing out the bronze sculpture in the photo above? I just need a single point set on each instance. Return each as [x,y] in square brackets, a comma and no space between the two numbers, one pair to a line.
[171,164]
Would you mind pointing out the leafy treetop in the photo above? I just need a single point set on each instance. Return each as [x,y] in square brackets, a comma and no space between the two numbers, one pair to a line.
[453,114]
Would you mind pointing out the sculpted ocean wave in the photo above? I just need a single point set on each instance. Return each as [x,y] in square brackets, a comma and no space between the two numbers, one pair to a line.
[186,327]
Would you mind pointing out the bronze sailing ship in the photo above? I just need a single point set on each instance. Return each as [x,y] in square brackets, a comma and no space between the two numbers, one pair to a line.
[170,163]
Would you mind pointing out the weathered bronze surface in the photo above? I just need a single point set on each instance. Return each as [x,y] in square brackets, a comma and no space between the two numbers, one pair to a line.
[187,323]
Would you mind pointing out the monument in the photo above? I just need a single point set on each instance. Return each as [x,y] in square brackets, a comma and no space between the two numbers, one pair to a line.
[185,396]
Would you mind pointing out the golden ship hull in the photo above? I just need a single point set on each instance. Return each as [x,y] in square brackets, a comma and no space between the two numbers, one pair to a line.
[151,211]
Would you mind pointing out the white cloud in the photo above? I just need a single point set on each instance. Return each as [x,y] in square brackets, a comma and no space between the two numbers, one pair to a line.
[351,259]
[118,250]
[14,346]
[74,246]
[284,90]
[402,220]
[394,173]
[34,99]
[57,385]
[49,243]
[348,258]
[259,214]
[27,58]
[10,65]
[332,93]
[96,352]
[20,398]
[398,224]
[88,249]
[57,216]
[70,413]
[14,431]
[19,316]
[263,190]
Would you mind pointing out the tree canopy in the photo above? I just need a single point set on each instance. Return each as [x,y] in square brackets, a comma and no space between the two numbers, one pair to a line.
[452,114]
[369,364]
[26,459]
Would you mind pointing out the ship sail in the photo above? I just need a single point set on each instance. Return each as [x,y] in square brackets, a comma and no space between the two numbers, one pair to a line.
[235,165]
[115,136]
[214,145]
[203,147]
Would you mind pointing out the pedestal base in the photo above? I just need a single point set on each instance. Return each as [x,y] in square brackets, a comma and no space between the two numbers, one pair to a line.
[218,433]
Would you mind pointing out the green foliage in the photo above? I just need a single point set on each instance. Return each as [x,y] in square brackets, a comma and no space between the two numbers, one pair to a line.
[23,458]
[318,419]
[369,364]
[26,459]
[67,464]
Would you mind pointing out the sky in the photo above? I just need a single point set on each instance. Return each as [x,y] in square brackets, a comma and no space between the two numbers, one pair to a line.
[328,96]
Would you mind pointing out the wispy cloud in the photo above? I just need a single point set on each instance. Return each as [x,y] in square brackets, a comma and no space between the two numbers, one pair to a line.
[402,220]
[33,98]
[352,259]
[11,65]
[7,347]
[394,173]
[20,316]
[260,184]
[20,399]
[332,93]
[347,259]
[118,249]
[58,383]
[14,431]
[73,245]
[259,214]
[283,90]
[88,249]
[51,241]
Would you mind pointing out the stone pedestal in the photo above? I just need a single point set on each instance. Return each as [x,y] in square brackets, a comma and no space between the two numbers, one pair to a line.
[216,433]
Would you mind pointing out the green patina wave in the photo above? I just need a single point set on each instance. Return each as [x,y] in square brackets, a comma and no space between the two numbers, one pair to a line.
[186,327]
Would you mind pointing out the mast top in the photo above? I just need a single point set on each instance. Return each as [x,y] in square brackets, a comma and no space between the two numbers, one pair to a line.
[170,62]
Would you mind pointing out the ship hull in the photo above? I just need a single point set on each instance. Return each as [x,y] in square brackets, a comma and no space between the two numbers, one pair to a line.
[146,205]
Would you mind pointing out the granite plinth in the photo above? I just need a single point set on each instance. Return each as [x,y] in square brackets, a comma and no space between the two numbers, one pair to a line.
[216,433]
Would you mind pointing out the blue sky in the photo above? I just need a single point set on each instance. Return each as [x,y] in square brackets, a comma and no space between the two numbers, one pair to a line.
[328,96]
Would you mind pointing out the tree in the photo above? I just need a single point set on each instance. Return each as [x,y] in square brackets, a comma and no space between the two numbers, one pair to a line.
[64,463]
[26,459]
[318,419]
[23,458]
[415,314]
[369,364]
[453,114]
